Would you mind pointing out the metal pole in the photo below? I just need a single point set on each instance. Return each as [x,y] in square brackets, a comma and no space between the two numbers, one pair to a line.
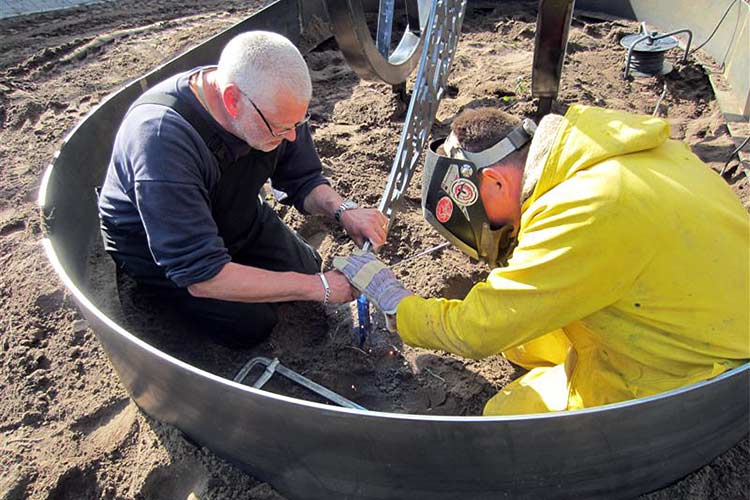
[440,40]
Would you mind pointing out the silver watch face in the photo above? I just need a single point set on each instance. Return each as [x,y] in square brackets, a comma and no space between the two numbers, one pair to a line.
[345,205]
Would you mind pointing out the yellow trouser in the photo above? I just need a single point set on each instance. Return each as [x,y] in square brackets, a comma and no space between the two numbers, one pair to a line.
[545,388]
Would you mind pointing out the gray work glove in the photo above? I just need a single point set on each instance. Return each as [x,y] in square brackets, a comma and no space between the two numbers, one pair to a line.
[375,280]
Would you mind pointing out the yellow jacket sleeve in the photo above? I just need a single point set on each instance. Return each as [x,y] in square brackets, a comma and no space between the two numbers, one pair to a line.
[579,249]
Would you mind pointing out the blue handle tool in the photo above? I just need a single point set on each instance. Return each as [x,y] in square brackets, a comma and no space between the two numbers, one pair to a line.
[363,317]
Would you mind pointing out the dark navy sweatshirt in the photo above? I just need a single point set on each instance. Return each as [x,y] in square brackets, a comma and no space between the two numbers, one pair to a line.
[159,181]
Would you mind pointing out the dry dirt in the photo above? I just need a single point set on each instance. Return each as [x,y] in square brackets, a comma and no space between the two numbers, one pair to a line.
[67,427]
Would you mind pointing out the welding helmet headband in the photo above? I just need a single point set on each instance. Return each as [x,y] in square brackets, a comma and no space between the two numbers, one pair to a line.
[451,202]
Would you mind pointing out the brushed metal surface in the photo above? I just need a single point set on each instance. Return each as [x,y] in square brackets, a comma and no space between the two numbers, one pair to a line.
[552,27]
[313,451]
[309,450]
[349,26]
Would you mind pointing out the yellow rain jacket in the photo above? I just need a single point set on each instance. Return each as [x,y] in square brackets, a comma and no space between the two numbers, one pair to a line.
[631,250]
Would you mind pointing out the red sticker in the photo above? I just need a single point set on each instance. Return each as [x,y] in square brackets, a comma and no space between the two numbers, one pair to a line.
[444,209]
[464,192]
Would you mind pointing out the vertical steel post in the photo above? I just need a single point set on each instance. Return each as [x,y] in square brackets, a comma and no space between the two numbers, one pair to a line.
[552,26]
[385,26]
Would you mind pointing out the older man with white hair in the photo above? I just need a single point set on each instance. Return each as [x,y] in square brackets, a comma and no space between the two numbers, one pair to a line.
[180,208]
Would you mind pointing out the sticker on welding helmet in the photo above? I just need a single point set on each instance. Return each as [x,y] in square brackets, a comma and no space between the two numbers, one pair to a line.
[444,209]
[464,192]
[449,178]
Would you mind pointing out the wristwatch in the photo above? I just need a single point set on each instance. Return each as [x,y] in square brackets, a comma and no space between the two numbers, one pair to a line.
[345,205]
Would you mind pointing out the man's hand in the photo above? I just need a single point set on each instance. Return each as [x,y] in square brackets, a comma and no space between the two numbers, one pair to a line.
[363,224]
[374,279]
[341,291]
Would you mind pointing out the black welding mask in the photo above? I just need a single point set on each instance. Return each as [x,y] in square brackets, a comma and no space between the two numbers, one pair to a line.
[450,195]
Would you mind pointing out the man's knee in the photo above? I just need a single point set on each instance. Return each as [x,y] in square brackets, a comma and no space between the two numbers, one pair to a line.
[548,350]
[541,390]
[235,324]
[313,262]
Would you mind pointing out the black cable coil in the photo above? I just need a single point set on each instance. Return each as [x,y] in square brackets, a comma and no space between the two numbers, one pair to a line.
[647,63]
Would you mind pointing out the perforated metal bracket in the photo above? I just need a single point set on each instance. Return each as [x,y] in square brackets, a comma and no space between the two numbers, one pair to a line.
[441,38]
[443,31]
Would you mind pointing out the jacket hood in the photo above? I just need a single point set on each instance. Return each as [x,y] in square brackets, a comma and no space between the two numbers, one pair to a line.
[589,135]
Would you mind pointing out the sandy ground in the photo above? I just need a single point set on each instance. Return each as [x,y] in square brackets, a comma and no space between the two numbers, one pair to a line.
[68,429]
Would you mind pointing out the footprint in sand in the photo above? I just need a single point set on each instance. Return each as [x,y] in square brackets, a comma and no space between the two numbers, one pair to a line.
[107,428]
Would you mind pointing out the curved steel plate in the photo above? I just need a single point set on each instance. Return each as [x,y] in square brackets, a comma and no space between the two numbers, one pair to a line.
[360,50]
[309,450]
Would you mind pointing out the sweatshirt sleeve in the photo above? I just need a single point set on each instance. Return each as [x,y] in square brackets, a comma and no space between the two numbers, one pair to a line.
[578,251]
[172,176]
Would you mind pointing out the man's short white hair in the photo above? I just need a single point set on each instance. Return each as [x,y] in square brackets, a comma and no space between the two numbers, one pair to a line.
[265,66]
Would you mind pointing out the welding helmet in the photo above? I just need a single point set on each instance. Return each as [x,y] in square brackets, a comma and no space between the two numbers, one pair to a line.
[451,202]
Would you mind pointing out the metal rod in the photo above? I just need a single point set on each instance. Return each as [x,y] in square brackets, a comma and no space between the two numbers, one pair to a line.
[385,27]
[267,374]
[661,98]
[363,316]
[275,366]
[421,254]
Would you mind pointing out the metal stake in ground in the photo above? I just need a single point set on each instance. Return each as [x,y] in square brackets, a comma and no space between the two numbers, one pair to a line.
[441,38]
[552,26]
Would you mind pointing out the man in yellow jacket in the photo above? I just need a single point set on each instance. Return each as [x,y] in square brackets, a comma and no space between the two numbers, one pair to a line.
[629,275]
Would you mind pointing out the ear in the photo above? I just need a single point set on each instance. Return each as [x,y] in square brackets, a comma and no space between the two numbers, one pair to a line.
[492,175]
[231,100]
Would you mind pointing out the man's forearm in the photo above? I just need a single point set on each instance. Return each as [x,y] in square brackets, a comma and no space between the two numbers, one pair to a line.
[239,283]
[322,200]
[361,224]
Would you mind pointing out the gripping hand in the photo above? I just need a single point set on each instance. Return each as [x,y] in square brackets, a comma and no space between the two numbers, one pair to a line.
[374,279]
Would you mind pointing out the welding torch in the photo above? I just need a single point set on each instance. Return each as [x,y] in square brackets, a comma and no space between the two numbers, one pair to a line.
[363,305]
[363,308]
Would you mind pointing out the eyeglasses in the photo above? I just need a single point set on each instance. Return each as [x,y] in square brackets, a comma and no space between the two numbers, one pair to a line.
[281,132]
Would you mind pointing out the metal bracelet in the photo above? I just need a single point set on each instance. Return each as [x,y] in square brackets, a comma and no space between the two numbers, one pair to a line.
[327,288]
[345,205]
